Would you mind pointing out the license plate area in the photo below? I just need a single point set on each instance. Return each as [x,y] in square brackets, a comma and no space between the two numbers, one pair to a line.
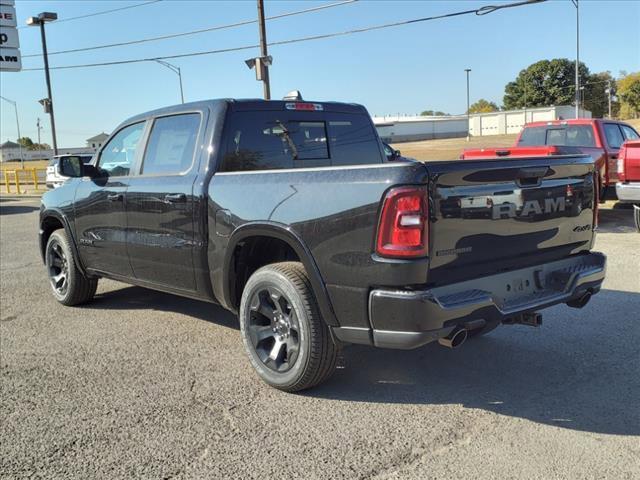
[522,285]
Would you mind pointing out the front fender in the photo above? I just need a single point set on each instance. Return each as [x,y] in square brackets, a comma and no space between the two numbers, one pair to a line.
[47,227]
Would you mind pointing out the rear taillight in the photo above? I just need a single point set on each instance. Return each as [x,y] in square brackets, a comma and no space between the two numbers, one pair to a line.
[569,191]
[404,224]
[621,160]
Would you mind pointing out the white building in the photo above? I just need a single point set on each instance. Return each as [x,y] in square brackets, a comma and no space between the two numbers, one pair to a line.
[409,128]
[97,141]
[10,151]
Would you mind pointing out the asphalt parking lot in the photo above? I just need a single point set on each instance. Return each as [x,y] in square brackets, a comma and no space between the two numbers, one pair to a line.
[143,384]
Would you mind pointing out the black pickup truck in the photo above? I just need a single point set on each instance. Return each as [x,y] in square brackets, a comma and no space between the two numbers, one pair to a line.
[290,214]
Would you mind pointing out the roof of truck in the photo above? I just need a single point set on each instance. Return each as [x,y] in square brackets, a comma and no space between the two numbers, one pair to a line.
[240,104]
[572,121]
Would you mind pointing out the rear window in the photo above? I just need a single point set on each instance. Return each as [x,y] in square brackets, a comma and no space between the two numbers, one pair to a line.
[266,140]
[558,135]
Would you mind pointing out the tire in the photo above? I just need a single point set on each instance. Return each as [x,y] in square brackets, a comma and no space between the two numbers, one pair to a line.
[287,341]
[636,216]
[70,287]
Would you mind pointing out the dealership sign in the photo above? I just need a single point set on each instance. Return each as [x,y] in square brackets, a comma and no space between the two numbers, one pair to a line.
[10,60]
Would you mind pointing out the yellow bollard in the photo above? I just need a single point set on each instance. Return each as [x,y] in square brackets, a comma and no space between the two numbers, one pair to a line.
[6,181]
[18,191]
[34,175]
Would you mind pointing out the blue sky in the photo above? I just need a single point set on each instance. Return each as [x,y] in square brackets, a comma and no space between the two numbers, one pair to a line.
[398,70]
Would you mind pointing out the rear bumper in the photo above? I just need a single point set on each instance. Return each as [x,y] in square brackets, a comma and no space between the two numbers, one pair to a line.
[407,319]
[628,192]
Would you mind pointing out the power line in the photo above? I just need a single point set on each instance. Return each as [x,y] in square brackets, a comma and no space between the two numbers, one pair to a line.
[194,32]
[103,12]
[480,11]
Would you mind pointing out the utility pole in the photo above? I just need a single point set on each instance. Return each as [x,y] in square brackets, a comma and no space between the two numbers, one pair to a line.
[609,96]
[40,20]
[263,50]
[525,99]
[39,128]
[575,3]
[468,112]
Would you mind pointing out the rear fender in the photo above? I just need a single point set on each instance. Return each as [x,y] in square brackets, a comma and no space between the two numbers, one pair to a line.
[284,233]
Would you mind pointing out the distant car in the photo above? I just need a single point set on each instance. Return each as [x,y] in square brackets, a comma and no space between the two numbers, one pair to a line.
[628,186]
[54,178]
[599,138]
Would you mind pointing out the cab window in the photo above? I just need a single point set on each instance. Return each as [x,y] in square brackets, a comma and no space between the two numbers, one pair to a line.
[171,144]
[119,154]
[613,134]
[629,133]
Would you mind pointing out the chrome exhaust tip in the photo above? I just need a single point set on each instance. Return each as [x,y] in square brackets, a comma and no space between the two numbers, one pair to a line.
[581,301]
[454,339]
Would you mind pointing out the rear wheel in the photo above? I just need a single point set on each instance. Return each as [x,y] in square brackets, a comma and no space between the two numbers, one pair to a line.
[69,285]
[286,339]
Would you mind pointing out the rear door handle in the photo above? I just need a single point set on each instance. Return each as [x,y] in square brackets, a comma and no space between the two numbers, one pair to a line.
[115,197]
[175,198]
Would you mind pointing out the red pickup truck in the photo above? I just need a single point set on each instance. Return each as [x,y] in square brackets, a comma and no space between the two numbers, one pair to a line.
[628,186]
[597,137]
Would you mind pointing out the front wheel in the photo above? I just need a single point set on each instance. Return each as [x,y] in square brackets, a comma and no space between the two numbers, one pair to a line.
[286,339]
[69,285]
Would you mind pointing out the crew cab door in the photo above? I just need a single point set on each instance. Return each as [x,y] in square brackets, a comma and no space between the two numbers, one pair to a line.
[100,204]
[160,204]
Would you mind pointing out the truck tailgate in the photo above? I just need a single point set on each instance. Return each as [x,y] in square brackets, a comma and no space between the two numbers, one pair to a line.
[489,215]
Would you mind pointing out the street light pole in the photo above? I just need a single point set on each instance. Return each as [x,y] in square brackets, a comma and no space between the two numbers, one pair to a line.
[468,112]
[15,106]
[40,20]
[575,3]
[175,70]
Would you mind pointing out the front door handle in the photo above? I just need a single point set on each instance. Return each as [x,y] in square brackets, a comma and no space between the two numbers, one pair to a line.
[115,197]
[175,198]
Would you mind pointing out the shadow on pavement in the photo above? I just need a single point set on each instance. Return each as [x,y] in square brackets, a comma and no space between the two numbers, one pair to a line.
[138,298]
[16,209]
[616,220]
[577,373]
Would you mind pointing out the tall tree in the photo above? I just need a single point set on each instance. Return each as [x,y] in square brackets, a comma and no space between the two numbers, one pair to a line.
[431,113]
[544,83]
[483,106]
[629,93]
[26,142]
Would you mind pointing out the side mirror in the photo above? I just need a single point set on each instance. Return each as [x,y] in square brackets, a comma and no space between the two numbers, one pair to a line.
[396,153]
[71,167]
